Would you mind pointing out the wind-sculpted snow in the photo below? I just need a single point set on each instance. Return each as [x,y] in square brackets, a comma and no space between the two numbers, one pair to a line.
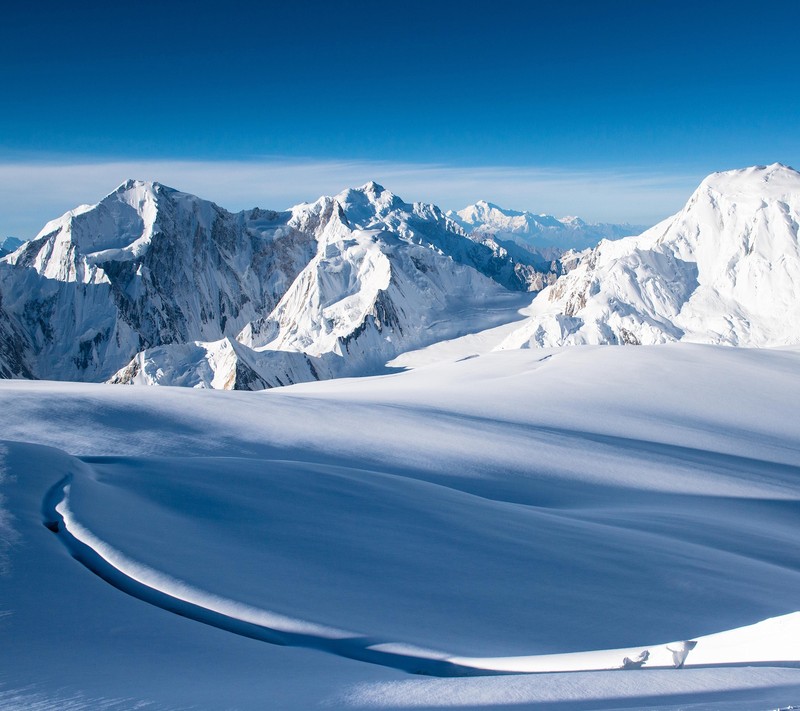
[770,641]
[471,516]
[725,270]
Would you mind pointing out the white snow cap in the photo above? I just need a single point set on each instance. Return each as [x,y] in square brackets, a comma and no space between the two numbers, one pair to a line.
[725,269]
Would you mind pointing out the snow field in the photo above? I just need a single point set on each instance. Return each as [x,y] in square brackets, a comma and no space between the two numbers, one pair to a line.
[485,512]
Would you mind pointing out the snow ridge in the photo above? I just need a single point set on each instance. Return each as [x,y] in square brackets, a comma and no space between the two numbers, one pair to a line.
[724,270]
[769,641]
[155,285]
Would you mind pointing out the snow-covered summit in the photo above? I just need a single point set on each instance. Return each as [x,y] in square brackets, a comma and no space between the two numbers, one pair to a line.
[149,265]
[368,202]
[118,228]
[544,234]
[149,268]
[372,206]
[487,214]
[725,269]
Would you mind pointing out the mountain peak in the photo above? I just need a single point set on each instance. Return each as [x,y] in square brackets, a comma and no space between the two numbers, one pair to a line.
[724,270]
[362,204]
[9,244]
[141,187]
[372,187]
[484,208]
[767,181]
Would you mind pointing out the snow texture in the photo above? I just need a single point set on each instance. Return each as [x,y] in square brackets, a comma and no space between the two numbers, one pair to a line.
[459,519]
[724,270]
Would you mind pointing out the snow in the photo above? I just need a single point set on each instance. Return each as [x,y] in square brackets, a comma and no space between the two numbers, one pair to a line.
[724,270]
[535,519]
[8,245]
[458,518]
[149,272]
[543,234]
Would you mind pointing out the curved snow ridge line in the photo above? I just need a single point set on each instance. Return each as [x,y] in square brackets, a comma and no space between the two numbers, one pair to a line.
[161,590]
[768,643]
[771,642]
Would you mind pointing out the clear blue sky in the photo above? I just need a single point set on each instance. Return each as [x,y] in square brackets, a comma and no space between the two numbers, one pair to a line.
[667,88]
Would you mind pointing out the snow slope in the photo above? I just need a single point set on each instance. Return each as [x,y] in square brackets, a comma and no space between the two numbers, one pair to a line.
[455,519]
[725,270]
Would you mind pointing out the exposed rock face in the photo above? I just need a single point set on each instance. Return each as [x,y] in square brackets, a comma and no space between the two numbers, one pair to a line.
[14,347]
[147,266]
[110,286]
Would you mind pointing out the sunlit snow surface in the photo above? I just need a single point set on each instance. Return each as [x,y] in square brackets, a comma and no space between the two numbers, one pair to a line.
[467,516]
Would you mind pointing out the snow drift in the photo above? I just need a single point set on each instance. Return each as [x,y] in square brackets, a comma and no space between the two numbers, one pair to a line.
[515,512]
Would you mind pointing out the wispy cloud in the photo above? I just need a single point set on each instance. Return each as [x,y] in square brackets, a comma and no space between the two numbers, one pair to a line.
[34,191]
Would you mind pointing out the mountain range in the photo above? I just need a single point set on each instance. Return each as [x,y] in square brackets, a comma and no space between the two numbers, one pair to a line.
[156,286]
[543,234]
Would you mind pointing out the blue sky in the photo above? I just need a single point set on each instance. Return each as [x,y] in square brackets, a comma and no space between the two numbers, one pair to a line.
[645,96]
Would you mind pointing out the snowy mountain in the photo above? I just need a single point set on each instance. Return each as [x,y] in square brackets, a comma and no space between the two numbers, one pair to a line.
[160,273]
[156,286]
[386,277]
[725,270]
[8,245]
[543,234]
[374,207]
[148,266]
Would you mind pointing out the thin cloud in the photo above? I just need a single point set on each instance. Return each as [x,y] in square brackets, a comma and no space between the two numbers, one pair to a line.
[33,192]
